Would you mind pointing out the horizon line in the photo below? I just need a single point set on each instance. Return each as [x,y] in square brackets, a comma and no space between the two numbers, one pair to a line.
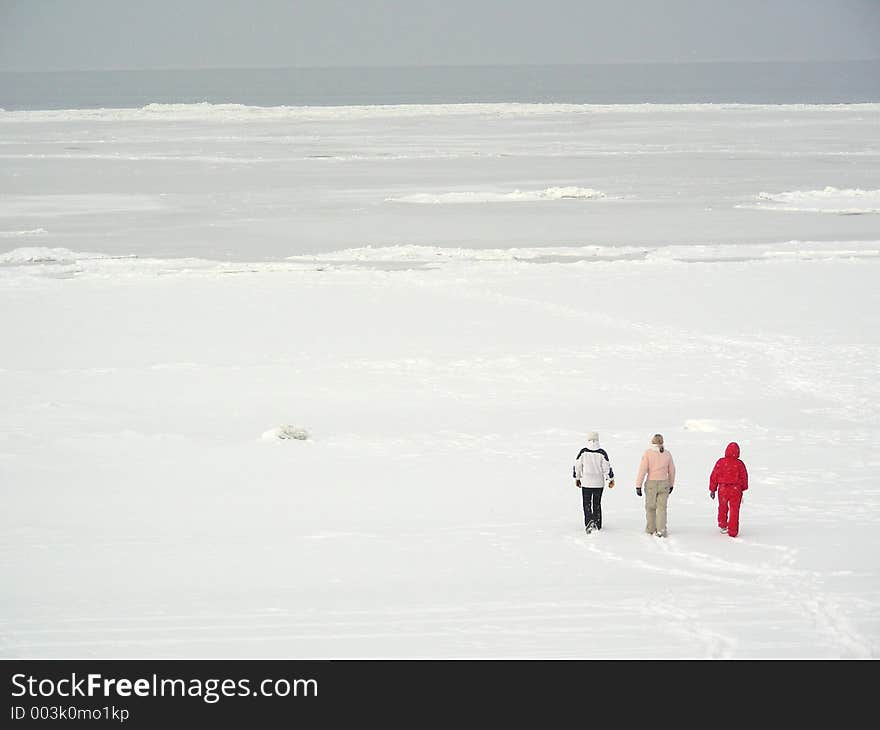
[372,67]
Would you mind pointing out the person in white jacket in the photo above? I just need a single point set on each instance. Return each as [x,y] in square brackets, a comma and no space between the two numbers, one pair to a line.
[592,470]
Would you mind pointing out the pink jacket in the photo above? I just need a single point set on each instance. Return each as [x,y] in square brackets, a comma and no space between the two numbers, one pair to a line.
[656,464]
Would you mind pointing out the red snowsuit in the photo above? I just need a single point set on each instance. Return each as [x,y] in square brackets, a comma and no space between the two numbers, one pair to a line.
[730,479]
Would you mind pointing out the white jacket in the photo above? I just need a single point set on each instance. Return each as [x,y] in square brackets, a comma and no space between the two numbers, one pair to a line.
[592,466]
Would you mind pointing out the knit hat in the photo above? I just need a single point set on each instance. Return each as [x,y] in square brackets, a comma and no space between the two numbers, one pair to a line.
[593,436]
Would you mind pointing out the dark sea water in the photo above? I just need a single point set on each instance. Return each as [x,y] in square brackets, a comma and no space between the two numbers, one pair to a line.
[672,83]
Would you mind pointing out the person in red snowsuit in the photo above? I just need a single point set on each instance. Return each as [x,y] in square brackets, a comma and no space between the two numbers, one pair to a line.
[730,479]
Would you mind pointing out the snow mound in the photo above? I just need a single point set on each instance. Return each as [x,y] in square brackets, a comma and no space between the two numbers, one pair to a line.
[240,112]
[43,255]
[433,254]
[517,196]
[702,425]
[735,429]
[24,234]
[286,432]
[842,201]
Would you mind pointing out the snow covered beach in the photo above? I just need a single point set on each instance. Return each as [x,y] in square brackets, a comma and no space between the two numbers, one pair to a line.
[410,285]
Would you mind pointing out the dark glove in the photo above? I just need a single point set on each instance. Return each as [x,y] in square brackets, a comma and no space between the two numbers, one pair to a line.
[639,491]
[712,495]
[670,490]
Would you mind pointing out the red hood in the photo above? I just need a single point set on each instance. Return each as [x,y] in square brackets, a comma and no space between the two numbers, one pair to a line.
[732,450]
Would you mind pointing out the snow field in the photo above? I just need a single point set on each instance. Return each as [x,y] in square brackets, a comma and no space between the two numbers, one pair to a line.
[431,513]
[256,271]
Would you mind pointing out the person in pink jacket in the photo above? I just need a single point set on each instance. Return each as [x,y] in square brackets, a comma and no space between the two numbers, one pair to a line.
[658,467]
[730,479]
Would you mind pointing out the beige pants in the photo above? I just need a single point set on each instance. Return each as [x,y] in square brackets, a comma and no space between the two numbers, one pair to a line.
[656,495]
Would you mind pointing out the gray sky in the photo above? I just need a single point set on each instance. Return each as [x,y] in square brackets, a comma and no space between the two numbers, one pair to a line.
[128,34]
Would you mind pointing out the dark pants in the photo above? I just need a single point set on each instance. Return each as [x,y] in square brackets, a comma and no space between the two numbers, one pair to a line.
[592,497]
